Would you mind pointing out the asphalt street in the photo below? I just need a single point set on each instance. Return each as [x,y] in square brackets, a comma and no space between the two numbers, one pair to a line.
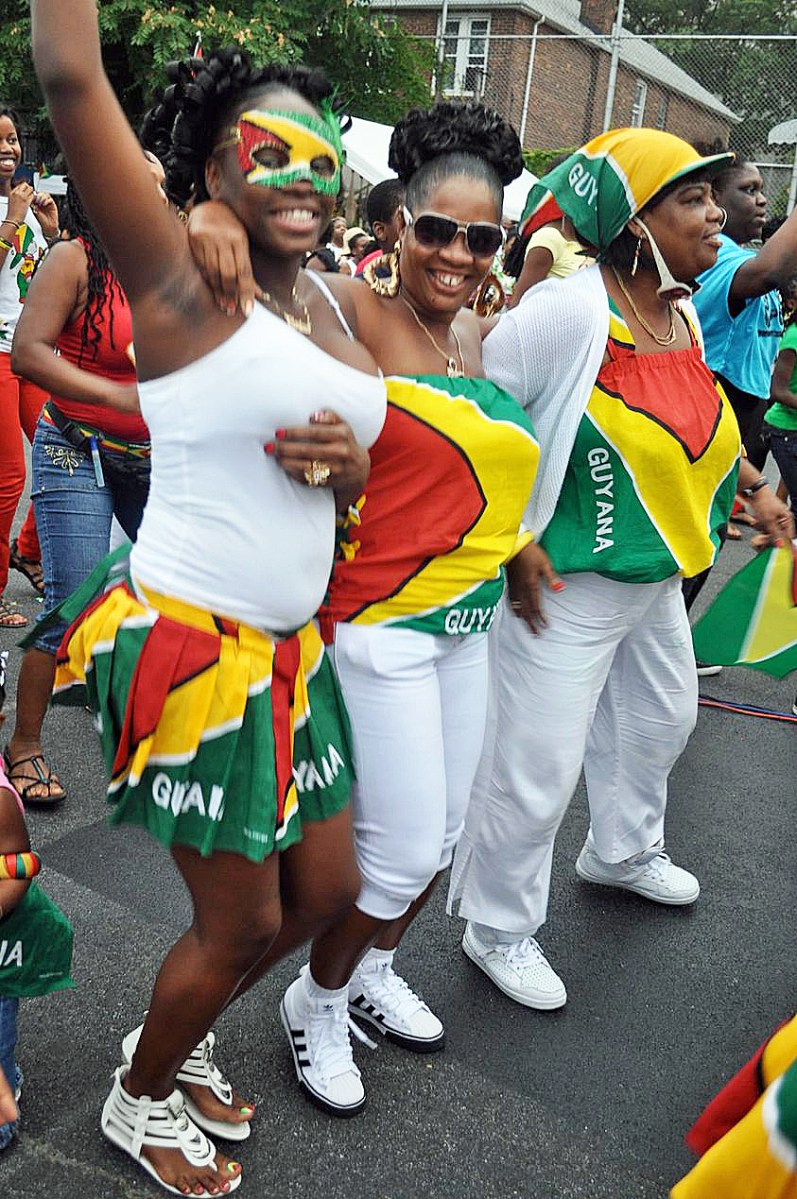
[664,1004]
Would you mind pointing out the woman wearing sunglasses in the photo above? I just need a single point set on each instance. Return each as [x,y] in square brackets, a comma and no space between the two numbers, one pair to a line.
[418,581]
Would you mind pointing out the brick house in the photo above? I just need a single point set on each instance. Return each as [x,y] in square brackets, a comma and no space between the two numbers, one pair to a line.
[553,88]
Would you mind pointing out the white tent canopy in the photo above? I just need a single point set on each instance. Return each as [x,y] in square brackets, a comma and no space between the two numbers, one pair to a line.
[366,153]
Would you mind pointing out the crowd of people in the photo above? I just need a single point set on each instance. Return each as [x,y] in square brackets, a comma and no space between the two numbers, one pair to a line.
[390,573]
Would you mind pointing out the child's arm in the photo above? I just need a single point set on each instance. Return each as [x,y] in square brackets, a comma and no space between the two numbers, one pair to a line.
[13,839]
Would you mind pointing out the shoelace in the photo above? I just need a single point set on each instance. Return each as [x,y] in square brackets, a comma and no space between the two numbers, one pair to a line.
[658,867]
[330,1044]
[526,953]
[392,993]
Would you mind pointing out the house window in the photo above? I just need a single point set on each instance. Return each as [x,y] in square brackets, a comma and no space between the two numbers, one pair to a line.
[638,110]
[661,116]
[465,44]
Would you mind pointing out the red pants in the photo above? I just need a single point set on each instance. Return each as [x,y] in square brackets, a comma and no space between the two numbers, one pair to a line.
[20,405]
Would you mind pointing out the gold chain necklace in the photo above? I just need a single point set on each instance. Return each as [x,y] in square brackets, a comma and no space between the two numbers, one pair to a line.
[671,334]
[302,323]
[452,370]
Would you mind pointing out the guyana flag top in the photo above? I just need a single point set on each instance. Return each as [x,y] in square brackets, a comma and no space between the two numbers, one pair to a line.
[753,620]
[451,474]
[652,474]
[748,1133]
[215,734]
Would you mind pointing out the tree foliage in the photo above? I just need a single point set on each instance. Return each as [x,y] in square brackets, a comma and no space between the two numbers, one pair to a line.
[755,78]
[378,69]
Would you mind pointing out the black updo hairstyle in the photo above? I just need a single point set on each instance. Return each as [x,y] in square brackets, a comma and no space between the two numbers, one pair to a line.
[102,283]
[453,137]
[203,96]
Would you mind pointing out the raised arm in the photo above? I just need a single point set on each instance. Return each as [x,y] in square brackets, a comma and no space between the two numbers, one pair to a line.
[774,264]
[141,237]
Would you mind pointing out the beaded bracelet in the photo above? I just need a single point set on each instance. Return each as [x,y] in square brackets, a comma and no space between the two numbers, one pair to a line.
[20,865]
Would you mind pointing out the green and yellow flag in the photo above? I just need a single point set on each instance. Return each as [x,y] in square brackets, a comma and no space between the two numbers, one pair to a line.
[753,620]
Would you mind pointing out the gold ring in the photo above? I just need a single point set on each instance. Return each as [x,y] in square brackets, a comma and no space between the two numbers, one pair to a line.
[317,473]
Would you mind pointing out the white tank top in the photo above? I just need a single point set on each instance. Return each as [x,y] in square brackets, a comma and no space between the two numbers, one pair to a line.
[224,527]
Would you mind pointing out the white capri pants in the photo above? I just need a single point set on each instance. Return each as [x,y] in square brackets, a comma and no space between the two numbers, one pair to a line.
[609,684]
[418,705]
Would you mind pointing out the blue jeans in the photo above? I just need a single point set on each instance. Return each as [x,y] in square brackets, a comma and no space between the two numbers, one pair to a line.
[783,443]
[73,515]
[8,1042]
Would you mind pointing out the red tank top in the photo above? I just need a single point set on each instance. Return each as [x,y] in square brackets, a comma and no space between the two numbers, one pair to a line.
[111,357]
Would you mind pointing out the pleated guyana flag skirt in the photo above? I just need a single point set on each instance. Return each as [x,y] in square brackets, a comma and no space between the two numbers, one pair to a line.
[215,735]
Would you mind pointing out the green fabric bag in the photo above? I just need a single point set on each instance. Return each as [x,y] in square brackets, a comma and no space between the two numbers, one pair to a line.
[35,947]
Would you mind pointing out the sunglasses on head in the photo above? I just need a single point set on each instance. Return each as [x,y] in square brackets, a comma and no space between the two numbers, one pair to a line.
[434,230]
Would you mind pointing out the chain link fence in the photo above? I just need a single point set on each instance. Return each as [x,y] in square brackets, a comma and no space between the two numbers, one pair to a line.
[559,90]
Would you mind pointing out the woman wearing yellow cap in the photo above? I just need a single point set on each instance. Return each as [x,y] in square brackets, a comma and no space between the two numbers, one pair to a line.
[638,469]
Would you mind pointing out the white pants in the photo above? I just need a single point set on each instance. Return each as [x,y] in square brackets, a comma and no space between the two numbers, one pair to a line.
[418,705]
[609,684]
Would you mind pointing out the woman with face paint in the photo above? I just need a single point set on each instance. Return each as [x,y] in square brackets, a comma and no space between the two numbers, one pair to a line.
[418,580]
[638,471]
[191,655]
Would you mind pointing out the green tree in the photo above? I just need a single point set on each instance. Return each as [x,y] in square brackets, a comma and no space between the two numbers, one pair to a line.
[378,69]
[755,78]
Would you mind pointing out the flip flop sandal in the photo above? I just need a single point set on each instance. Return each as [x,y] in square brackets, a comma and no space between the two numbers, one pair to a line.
[9,617]
[23,783]
[200,1070]
[130,1124]
[29,567]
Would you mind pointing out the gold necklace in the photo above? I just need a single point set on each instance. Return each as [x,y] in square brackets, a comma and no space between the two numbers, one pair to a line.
[452,370]
[671,334]
[302,324]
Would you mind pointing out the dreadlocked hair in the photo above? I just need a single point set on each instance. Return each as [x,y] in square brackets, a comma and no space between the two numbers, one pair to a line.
[454,137]
[102,283]
[203,94]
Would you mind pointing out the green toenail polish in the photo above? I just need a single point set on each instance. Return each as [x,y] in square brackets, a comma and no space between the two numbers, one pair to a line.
[233,1166]
[246,1111]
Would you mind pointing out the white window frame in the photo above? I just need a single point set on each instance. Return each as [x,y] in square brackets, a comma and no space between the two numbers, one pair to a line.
[664,107]
[638,107]
[459,26]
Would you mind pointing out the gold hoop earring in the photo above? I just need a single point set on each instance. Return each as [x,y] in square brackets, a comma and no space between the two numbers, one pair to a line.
[635,263]
[490,298]
[385,285]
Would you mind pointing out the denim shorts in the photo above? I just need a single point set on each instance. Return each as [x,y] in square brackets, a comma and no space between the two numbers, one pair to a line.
[8,1044]
[73,515]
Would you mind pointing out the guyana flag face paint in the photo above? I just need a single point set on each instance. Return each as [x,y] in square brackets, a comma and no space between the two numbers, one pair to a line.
[753,620]
[277,149]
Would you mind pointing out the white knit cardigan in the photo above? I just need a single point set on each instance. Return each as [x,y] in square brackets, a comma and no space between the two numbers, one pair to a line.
[547,353]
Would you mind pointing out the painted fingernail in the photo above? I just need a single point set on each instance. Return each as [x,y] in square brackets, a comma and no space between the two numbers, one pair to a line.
[233,1167]
[557,585]
[280,433]
[246,1111]
[318,416]
[249,307]
[269,448]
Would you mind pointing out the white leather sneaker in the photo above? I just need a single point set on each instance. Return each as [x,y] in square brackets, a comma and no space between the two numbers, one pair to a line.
[520,969]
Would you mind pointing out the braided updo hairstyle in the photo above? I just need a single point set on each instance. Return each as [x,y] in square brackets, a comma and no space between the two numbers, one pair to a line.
[204,95]
[453,137]
[102,283]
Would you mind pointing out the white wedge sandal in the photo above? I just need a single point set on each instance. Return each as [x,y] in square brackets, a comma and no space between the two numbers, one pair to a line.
[161,1123]
[199,1069]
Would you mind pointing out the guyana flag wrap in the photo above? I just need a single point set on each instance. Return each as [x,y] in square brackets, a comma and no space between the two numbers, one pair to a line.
[215,734]
[753,620]
[610,179]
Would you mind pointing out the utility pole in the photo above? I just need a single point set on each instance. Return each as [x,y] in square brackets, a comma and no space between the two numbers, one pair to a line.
[617,29]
